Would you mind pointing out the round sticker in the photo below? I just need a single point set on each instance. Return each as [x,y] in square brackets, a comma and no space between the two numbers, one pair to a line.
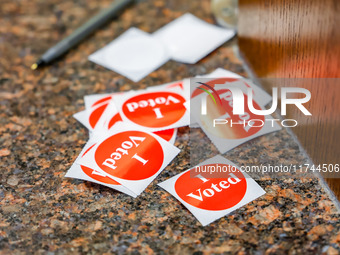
[155,109]
[114,120]
[238,126]
[104,179]
[95,115]
[176,84]
[212,83]
[102,100]
[130,155]
[97,176]
[100,105]
[165,134]
[212,194]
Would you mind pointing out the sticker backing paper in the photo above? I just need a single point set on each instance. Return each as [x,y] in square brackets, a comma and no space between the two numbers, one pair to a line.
[188,38]
[134,54]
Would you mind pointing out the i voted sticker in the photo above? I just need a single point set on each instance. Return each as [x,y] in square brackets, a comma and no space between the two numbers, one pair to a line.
[217,113]
[111,116]
[225,129]
[136,150]
[130,156]
[154,110]
[88,174]
[98,176]
[101,114]
[221,76]
[211,193]
[210,198]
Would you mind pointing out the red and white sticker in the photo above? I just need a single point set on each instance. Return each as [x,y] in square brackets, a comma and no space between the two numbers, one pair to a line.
[130,156]
[95,106]
[209,199]
[225,129]
[88,174]
[220,76]
[111,116]
[154,110]
[183,86]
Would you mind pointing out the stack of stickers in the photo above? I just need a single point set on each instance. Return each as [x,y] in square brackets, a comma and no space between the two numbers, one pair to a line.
[132,137]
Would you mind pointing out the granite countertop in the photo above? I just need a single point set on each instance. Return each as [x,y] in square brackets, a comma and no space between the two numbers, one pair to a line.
[41,211]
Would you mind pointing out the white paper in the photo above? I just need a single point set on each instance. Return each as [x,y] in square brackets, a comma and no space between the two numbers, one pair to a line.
[134,54]
[82,117]
[188,38]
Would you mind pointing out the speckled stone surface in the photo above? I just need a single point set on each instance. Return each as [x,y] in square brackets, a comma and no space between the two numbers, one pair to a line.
[44,213]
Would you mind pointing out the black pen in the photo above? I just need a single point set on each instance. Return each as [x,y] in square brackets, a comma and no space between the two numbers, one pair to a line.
[82,32]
